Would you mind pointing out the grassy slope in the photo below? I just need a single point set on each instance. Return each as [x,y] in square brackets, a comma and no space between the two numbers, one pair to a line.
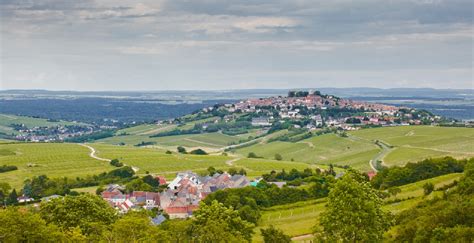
[324,149]
[299,218]
[207,140]
[413,143]
[52,159]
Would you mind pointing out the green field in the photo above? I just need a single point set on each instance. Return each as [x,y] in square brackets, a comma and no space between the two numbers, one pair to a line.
[52,159]
[72,160]
[211,141]
[413,143]
[410,144]
[7,120]
[324,149]
[299,218]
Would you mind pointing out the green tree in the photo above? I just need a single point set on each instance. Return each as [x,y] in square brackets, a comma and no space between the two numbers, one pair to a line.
[178,230]
[278,157]
[198,152]
[428,188]
[211,170]
[232,171]
[23,226]
[4,192]
[274,235]
[217,223]
[353,212]
[252,155]
[136,227]
[394,191]
[88,212]
[138,185]
[181,149]
[12,198]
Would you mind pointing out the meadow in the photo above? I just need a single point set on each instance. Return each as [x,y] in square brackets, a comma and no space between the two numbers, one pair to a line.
[52,159]
[408,144]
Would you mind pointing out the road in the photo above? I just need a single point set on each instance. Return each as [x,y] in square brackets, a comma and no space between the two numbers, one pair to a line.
[93,152]
[379,157]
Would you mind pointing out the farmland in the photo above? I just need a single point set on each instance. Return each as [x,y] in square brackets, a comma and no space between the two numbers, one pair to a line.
[409,144]
[70,160]
[299,218]
[54,160]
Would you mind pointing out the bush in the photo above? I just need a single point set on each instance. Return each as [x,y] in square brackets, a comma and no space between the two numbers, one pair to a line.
[6,168]
[181,149]
[253,155]
[278,157]
[116,163]
[428,188]
[198,152]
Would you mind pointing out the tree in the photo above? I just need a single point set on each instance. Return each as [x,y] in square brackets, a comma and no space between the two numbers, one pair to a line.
[211,170]
[181,149]
[12,198]
[252,155]
[278,157]
[198,152]
[137,185]
[353,212]
[274,235]
[116,163]
[23,226]
[394,191]
[4,191]
[88,212]
[217,223]
[428,188]
[232,171]
[136,227]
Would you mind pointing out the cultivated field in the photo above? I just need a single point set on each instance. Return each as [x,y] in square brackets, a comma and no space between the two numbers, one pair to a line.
[52,159]
[299,218]
[410,144]
[72,160]
[413,143]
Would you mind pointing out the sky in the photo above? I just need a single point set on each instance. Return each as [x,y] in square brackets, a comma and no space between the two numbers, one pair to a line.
[235,44]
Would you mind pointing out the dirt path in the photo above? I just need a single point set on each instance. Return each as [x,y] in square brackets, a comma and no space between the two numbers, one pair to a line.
[386,149]
[310,144]
[307,237]
[93,152]
[231,162]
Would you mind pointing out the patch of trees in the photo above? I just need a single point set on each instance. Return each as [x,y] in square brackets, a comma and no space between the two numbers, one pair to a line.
[298,93]
[91,137]
[442,219]
[6,168]
[116,163]
[88,218]
[143,143]
[249,201]
[353,212]
[413,172]
[42,186]
[198,152]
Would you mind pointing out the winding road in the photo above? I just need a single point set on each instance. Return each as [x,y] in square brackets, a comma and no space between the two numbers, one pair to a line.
[93,152]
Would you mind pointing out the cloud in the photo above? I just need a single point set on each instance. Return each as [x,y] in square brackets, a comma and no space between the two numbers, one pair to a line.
[211,41]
